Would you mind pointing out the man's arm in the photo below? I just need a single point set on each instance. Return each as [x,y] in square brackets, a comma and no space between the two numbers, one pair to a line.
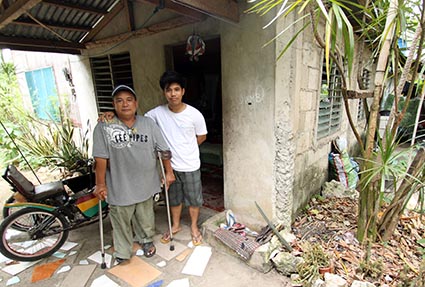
[201,138]
[169,174]
[101,190]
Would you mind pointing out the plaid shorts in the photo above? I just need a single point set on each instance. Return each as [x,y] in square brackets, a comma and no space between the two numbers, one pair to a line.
[186,189]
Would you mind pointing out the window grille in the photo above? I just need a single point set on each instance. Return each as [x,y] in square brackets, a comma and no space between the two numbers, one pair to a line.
[110,71]
[366,84]
[330,106]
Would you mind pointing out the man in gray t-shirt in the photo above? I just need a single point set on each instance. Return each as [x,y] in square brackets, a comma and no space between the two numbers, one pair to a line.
[126,173]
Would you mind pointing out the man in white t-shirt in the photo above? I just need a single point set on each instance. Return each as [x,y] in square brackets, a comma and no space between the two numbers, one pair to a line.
[184,129]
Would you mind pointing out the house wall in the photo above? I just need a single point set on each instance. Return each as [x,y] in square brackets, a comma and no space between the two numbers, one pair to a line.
[270,150]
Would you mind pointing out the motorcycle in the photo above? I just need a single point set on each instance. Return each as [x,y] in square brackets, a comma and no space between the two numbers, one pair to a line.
[38,218]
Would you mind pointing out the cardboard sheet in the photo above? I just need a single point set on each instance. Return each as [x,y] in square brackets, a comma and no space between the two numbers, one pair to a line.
[136,272]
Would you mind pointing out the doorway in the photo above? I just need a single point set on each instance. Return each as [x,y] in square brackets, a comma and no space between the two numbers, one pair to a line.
[203,91]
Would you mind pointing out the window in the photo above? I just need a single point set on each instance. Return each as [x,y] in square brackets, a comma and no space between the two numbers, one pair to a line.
[330,106]
[110,71]
[366,84]
[44,97]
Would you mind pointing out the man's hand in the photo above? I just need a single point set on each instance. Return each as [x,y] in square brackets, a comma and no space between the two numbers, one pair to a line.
[170,177]
[106,117]
[101,191]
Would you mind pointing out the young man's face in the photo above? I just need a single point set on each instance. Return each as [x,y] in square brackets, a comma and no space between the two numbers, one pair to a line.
[174,94]
[125,104]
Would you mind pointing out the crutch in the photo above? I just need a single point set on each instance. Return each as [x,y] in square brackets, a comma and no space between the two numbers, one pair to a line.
[102,247]
[166,201]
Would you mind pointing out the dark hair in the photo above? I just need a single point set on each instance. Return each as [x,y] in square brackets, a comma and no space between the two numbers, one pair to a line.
[171,77]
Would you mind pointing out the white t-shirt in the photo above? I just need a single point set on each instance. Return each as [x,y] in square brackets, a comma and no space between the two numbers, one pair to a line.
[180,131]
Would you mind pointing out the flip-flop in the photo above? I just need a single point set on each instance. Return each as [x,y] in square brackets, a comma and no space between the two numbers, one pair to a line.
[166,236]
[197,239]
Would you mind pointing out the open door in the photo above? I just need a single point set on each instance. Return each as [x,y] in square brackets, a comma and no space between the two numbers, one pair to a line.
[203,91]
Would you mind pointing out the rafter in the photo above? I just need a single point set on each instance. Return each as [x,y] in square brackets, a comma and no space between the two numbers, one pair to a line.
[128,5]
[15,10]
[27,42]
[62,4]
[106,19]
[54,26]
[153,29]
[176,8]
[222,9]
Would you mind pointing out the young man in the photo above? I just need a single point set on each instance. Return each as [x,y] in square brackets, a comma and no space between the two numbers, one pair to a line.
[125,151]
[184,129]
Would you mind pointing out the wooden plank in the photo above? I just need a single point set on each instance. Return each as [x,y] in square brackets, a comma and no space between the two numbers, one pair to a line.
[53,26]
[15,10]
[176,8]
[130,15]
[15,41]
[153,29]
[222,9]
[106,19]
[78,7]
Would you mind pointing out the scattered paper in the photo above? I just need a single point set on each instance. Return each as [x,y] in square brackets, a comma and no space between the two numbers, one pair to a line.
[3,258]
[84,262]
[13,280]
[106,247]
[68,246]
[161,264]
[139,252]
[183,255]
[179,283]
[72,252]
[65,268]
[190,244]
[103,281]
[97,257]
[197,261]
[59,254]
[17,268]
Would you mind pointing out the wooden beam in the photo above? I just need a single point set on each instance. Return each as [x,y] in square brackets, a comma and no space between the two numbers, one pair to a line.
[42,49]
[78,7]
[176,8]
[359,95]
[130,15]
[106,19]
[53,26]
[222,9]
[155,28]
[16,10]
[28,42]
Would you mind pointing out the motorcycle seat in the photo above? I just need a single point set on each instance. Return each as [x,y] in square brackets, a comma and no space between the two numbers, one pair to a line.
[30,191]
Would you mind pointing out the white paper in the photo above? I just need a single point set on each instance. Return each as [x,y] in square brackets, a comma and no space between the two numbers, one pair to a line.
[68,245]
[72,252]
[13,280]
[97,257]
[179,283]
[84,262]
[161,264]
[103,281]
[197,261]
[3,258]
[17,268]
[139,252]
[65,268]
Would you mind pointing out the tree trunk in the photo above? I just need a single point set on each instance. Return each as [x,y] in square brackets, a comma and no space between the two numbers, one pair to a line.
[392,214]
[367,210]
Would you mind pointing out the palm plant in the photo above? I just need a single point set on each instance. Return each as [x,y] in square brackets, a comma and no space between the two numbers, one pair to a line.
[377,25]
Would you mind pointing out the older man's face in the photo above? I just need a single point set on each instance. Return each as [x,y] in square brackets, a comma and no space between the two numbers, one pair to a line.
[125,104]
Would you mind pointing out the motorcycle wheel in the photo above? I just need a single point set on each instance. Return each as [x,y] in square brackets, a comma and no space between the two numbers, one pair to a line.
[45,236]
[9,211]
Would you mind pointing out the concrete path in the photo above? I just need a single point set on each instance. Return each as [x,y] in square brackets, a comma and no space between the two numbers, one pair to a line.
[222,269]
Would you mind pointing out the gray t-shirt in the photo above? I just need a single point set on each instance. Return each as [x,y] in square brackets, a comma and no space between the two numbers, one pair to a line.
[132,174]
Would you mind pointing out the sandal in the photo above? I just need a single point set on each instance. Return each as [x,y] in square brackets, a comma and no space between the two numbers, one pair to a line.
[166,236]
[197,239]
[149,249]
